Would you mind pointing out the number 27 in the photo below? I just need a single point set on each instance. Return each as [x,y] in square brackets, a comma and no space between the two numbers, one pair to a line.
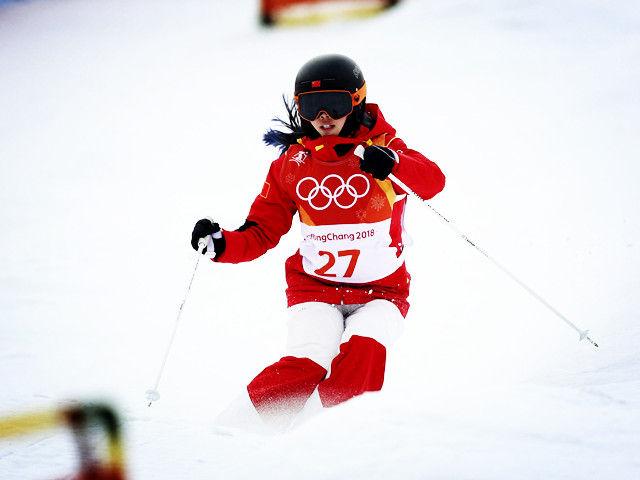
[331,261]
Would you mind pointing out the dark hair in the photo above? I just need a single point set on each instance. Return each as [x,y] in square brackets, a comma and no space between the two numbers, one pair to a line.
[283,140]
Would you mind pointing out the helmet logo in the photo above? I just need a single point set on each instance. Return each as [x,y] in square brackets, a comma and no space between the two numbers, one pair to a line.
[315,84]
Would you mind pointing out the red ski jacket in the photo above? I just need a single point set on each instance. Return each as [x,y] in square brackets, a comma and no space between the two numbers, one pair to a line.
[352,246]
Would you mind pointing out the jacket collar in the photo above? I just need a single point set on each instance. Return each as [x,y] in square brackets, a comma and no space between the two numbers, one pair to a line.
[323,148]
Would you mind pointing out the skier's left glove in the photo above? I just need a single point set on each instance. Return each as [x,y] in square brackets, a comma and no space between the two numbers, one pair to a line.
[209,231]
[376,160]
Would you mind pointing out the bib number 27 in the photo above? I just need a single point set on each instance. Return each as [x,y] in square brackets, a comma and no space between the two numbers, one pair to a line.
[331,261]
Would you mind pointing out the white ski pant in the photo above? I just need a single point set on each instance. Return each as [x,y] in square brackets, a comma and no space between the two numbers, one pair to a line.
[333,353]
[316,330]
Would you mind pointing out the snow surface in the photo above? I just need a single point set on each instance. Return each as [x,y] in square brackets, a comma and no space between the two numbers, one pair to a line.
[121,123]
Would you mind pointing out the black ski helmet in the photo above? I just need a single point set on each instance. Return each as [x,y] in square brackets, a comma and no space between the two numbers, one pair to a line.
[332,72]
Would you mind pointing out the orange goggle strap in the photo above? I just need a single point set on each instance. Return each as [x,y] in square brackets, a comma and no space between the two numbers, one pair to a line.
[356,97]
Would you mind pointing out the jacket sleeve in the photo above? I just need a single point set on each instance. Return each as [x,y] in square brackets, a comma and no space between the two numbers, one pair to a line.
[269,219]
[416,171]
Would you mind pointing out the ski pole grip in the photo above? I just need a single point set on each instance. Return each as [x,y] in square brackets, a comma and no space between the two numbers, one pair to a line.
[217,235]
[202,243]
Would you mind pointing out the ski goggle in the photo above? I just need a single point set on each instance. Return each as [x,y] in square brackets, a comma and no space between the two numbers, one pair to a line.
[336,103]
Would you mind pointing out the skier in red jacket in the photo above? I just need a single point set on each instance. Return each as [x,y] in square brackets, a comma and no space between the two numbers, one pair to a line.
[347,285]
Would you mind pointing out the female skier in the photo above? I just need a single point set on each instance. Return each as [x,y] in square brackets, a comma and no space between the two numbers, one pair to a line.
[347,285]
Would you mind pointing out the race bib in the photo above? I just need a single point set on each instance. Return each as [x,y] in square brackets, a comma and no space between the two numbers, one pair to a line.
[353,253]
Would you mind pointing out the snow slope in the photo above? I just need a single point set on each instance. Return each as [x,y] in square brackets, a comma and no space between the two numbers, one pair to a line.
[121,123]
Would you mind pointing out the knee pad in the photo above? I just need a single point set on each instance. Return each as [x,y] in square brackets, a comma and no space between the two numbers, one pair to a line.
[285,386]
[358,368]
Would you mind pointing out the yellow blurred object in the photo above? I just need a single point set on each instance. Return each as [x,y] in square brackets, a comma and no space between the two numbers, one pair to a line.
[294,13]
[17,425]
[86,422]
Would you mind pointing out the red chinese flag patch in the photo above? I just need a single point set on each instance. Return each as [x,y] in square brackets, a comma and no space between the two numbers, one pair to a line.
[265,190]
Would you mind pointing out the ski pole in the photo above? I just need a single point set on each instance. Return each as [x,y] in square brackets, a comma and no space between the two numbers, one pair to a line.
[583,333]
[152,394]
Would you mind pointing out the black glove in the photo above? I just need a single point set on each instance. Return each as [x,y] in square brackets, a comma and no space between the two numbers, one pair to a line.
[378,161]
[202,229]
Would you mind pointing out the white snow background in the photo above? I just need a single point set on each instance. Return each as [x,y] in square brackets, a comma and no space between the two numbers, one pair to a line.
[122,123]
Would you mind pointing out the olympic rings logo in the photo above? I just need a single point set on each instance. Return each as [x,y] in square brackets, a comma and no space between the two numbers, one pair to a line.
[343,188]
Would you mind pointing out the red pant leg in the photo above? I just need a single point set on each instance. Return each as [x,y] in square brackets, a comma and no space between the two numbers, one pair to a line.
[358,368]
[285,386]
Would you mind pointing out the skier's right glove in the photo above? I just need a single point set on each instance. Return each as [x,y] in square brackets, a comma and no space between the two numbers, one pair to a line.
[209,231]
